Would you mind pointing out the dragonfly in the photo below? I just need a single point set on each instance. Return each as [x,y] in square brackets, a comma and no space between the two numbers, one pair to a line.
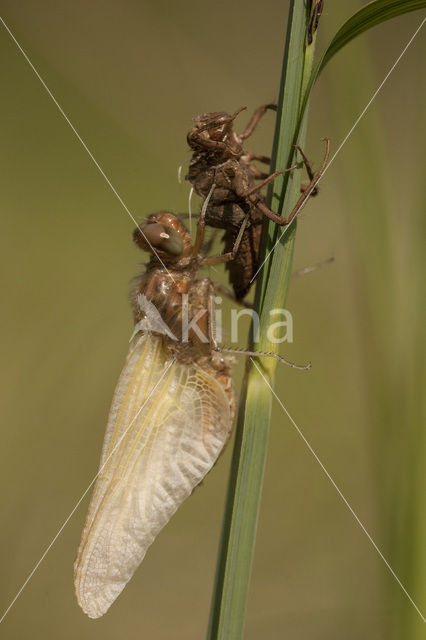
[171,415]
[223,173]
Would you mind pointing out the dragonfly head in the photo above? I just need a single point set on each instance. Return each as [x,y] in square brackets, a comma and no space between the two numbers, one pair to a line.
[163,235]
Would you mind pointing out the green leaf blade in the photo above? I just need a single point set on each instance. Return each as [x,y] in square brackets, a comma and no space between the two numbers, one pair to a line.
[369,16]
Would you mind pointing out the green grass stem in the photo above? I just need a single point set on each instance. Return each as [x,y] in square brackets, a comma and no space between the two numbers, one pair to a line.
[246,478]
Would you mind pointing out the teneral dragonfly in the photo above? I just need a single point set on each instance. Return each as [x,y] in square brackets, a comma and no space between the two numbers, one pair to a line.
[171,416]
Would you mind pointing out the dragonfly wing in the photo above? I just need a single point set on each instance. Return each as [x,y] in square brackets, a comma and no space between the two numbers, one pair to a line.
[167,426]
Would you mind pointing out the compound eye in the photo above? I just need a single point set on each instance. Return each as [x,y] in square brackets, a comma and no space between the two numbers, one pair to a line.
[159,236]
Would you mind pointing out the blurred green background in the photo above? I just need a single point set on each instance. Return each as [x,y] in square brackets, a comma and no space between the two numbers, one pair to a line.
[130,75]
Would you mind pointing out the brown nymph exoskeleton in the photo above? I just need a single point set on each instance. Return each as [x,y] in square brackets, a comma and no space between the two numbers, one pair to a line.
[223,173]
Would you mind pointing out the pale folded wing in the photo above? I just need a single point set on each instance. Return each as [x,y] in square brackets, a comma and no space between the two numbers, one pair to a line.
[167,426]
